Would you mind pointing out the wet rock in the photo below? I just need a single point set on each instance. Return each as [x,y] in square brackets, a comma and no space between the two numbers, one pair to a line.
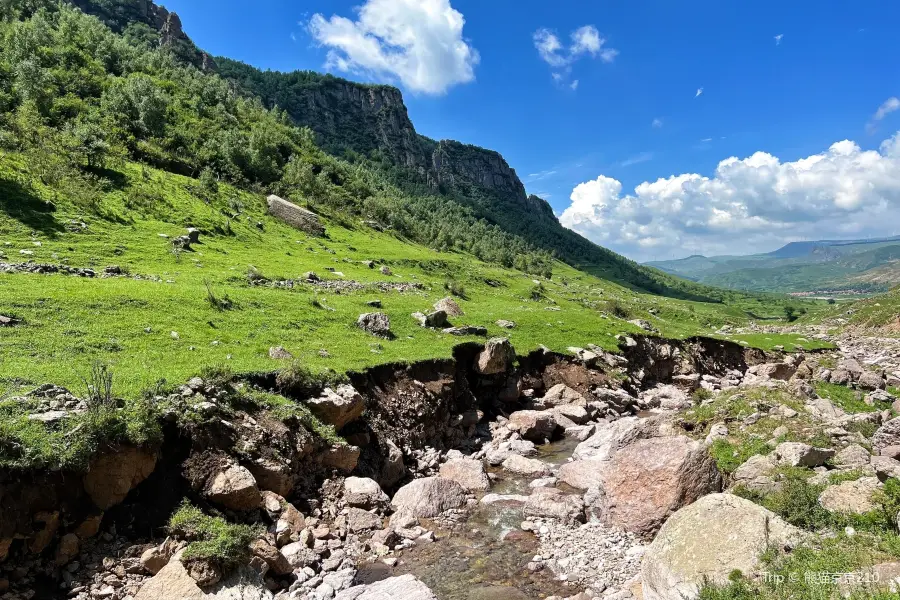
[533,425]
[850,496]
[363,492]
[449,306]
[796,454]
[378,324]
[234,488]
[497,357]
[468,473]
[708,540]
[528,467]
[112,476]
[551,503]
[406,587]
[339,406]
[428,497]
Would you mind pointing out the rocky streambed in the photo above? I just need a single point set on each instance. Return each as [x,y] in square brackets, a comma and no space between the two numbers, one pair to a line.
[484,476]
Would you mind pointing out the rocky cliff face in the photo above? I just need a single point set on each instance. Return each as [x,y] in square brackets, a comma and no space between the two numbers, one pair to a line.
[453,163]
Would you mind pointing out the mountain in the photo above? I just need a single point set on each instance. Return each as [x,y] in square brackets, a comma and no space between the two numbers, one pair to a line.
[869,265]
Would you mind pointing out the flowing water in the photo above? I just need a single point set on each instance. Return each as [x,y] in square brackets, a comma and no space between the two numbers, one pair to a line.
[486,556]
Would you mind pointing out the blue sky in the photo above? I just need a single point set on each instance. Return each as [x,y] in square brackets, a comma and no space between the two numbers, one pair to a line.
[473,70]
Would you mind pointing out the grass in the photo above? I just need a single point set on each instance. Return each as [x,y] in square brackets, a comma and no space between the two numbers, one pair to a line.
[851,401]
[212,538]
[730,456]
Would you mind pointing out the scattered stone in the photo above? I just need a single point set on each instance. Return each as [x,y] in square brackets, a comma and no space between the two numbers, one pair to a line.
[234,488]
[362,520]
[497,357]
[449,306]
[432,320]
[505,324]
[756,475]
[468,473]
[796,454]
[886,435]
[533,425]
[378,324]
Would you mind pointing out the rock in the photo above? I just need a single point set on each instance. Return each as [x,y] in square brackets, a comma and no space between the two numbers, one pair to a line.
[362,520]
[779,371]
[609,437]
[466,330]
[853,456]
[497,357]
[529,467]
[279,353]
[405,587]
[646,481]
[871,381]
[551,503]
[850,496]
[561,394]
[718,431]
[273,476]
[468,473]
[363,492]
[886,435]
[852,367]
[642,324]
[342,457]
[581,474]
[570,415]
[299,554]
[796,454]
[89,527]
[840,377]
[154,559]
[295,216]
[886,467]
[175,582]
[111,476]
[433,320]
[67,549]
[377,323]
[234,488]
[193,235]
[756,474]
[393,469]
[385,270]
[338,407]
[533,425]
[708,540]
[276,561]
[428,497]
[503,323]
[449,306]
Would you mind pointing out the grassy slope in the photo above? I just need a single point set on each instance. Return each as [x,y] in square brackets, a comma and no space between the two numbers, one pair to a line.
[70,322]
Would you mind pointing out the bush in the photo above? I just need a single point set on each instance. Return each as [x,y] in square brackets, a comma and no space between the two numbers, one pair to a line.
[456,288]
[797,502]
[617,309]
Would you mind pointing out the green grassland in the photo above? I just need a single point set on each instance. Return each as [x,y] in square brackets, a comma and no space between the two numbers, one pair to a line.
[69,322]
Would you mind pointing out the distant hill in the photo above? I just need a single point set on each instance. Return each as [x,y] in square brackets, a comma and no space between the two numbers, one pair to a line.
[871,265]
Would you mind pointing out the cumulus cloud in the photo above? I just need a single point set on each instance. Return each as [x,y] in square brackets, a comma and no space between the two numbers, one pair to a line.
[889,106]
[748,205]
[416,42]
[585,41]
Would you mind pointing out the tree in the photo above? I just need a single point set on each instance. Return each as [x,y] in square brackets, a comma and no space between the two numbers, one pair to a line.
[88,144]
[790,313]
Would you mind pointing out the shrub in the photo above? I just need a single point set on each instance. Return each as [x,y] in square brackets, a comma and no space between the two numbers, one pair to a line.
[797,502]
[455,288]
[220,304]
[616,308]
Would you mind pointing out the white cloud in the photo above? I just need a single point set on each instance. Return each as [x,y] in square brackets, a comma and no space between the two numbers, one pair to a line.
[748,205]
[699,93]
[574,85]
[657,123]
[585,41]
[778,39]
[637,159]
[417,42]
[706,140]
[889,106]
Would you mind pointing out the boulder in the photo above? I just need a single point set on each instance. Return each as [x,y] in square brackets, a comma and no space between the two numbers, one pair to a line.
[707,541]
[273,475]
[529,467]
[466,330]
[505,324]
[428,497]
[869,380]
[887,435]
[581,474]
[533,425]
[850,496]
[853,456]
[405,587]
[779,371]
[295,216]
[339,406]
[852,367]
[362,520]
[552,503]
[497,357]
[377,323]
[393,469]
[796,454]
[363,492]
[468,473]
[154,559]
[756,475]
[342,457]
[234,488]
[432,320]
[299,554]
[570,415]
[276,561]
[561,395]
[608,438]
[112,476]
[175,582]
[67,549]
[646,481]
[44,534]
[449,306]
[886,467]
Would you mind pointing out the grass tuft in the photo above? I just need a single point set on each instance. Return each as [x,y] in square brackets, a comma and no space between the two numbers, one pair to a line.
[212,538]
